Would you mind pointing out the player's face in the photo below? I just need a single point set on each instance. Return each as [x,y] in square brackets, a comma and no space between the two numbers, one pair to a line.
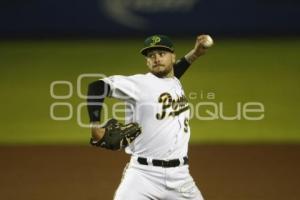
[161,62]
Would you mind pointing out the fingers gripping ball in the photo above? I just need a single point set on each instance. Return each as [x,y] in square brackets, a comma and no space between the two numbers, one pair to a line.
[118,135]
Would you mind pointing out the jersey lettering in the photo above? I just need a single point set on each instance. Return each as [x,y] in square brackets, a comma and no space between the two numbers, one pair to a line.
[177,106]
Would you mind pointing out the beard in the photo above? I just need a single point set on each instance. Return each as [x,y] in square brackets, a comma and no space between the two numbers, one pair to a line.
[161,71]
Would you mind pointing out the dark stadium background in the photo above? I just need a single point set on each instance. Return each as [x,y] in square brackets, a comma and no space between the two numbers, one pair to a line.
[255,59]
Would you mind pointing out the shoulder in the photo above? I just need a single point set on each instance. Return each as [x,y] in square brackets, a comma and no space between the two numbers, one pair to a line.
[139,76]
[126,81]
[134,78]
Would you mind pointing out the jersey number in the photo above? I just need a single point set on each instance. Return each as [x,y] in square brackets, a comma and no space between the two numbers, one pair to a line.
[186,125]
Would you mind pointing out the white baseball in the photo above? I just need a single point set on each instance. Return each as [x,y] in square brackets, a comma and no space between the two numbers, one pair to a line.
[208,42]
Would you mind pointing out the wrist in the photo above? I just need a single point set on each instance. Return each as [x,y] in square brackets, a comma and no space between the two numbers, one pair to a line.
[97,131]
[191,56]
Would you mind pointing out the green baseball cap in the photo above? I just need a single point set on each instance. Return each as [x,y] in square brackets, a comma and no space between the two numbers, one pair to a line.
[157,42]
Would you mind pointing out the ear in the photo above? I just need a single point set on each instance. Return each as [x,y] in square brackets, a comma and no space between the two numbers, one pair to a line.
[148,62]
[173,58]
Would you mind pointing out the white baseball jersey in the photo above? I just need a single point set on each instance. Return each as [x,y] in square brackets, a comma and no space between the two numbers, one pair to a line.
[160,107]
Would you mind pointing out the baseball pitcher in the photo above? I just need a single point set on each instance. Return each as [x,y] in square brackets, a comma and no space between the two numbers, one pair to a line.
[156,130]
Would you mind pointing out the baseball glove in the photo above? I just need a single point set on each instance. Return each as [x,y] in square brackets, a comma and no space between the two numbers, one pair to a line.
[117,135]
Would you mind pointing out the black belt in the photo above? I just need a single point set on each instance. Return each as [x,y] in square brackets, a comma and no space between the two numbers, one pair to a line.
[163,163]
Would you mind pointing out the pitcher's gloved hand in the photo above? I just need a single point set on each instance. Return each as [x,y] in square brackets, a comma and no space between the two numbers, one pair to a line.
[117,135]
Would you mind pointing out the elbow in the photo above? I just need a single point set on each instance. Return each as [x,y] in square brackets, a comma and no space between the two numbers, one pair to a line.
[94,85]
[98,88]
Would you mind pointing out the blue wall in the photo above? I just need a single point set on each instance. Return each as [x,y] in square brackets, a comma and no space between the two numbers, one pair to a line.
[136,17]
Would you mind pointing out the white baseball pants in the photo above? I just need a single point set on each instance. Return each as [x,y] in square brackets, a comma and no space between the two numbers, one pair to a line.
[146,182]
